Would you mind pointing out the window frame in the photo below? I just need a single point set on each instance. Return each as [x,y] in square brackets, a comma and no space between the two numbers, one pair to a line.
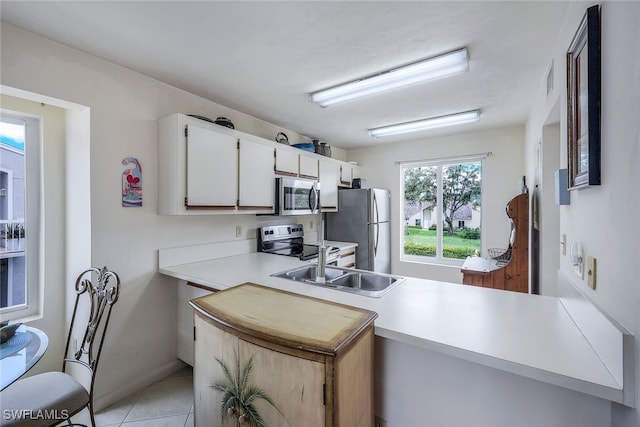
[33,152]
[440,164]
[8,194]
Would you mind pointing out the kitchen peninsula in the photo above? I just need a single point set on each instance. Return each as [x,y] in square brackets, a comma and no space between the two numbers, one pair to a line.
[315,358]
[422,323]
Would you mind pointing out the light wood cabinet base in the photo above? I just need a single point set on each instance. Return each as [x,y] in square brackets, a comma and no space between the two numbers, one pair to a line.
[312,358]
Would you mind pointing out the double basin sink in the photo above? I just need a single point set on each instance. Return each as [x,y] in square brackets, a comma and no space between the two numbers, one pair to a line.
[359,282]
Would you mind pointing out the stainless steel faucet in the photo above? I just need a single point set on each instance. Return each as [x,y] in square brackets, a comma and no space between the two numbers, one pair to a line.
[322,262]
[323,250]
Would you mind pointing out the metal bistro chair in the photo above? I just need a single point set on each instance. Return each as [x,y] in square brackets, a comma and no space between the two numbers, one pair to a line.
[52,397]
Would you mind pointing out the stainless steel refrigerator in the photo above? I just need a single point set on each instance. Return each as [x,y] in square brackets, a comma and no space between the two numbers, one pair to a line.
[363,217]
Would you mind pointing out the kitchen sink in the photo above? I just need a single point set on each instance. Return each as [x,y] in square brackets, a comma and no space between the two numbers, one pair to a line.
[365,281]
[308,272]
[359,282]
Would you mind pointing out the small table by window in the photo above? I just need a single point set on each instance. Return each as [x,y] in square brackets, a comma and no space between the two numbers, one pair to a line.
[20,353]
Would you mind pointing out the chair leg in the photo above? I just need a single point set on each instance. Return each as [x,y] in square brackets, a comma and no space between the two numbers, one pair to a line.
[93,421]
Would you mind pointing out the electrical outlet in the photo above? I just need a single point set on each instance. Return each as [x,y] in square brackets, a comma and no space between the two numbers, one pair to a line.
[577,259]
[591,272]
[311,225]
[238,231]
[379,422]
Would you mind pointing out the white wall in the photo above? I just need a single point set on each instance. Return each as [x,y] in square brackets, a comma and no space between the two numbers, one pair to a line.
[600,217]
[122,107]
[502,173]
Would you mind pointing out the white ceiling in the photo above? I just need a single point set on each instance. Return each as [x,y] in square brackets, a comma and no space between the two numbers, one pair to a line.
[263,58]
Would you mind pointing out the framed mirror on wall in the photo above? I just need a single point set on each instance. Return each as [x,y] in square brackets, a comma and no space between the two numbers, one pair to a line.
[584,103]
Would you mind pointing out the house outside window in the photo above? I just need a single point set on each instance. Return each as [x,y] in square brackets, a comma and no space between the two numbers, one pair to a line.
[19,297]
[444,201]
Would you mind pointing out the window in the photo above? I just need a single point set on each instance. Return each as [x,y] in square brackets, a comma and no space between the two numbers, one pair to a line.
[444,201]
[18,295]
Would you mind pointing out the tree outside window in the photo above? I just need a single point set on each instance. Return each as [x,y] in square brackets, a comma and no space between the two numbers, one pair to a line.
[444,201]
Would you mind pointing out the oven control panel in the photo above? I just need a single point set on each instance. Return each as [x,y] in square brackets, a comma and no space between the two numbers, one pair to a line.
[281,232]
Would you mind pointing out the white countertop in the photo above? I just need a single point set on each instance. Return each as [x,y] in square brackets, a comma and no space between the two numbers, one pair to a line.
[529,335]
[336,244]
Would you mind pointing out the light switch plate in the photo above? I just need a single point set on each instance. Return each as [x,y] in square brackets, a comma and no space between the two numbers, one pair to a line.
[591,272]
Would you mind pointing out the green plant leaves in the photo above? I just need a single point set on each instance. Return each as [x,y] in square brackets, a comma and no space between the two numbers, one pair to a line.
[239,395]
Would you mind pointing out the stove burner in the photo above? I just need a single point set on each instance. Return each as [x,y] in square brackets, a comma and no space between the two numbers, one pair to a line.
[288,240]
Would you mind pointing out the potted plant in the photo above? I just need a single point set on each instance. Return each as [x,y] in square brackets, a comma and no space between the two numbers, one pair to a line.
[14,236]
[239,395]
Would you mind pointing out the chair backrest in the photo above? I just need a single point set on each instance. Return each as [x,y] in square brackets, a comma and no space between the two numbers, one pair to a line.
[97,291]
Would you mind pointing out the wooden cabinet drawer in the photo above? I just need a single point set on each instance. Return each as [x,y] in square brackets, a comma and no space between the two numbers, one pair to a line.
[347,258]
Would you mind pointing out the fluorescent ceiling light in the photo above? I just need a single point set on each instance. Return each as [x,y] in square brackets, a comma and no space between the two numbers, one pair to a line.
[429,69]
[430,123]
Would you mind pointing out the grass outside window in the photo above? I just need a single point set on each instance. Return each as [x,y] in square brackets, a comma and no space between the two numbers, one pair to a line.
[422,242]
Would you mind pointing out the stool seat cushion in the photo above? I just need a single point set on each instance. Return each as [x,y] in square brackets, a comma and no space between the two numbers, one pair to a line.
[42,397]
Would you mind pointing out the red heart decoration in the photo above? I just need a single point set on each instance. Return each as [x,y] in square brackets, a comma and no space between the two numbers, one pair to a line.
[129,178]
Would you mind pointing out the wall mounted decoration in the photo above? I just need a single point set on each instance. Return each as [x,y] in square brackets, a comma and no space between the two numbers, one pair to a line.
[583,102]
[132,183]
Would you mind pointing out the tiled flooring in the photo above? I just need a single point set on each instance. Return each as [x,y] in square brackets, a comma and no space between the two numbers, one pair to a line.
[166,403]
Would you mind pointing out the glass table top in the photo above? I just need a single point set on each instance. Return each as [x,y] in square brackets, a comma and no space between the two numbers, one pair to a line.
[20,353]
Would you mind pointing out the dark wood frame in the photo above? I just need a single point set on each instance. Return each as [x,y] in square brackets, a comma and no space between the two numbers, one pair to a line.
[515,275]
[583,93]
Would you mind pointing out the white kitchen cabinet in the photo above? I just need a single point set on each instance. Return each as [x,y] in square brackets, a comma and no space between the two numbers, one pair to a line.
[197,167]
[204,168]
[308,166]
[355,172]
[328,178]
[256,188]
[211,160]
[347,257]
[345,174]
[287,162]
[291,161]
[186,293]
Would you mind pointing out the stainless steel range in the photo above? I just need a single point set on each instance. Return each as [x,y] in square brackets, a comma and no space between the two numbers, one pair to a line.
[288,240]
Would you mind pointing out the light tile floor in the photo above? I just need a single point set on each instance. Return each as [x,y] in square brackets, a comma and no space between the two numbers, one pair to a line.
[165,403]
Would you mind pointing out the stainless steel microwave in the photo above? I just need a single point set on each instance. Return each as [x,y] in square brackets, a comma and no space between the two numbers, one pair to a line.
[297,196]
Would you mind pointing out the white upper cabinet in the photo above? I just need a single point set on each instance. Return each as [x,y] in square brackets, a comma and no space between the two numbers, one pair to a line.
[345,175]
[204,168]
[355,172]
[347,171]
[286,162]
[211,165]
[308,167]
[256,183]
[291,161]
[195,159]
[329,171]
